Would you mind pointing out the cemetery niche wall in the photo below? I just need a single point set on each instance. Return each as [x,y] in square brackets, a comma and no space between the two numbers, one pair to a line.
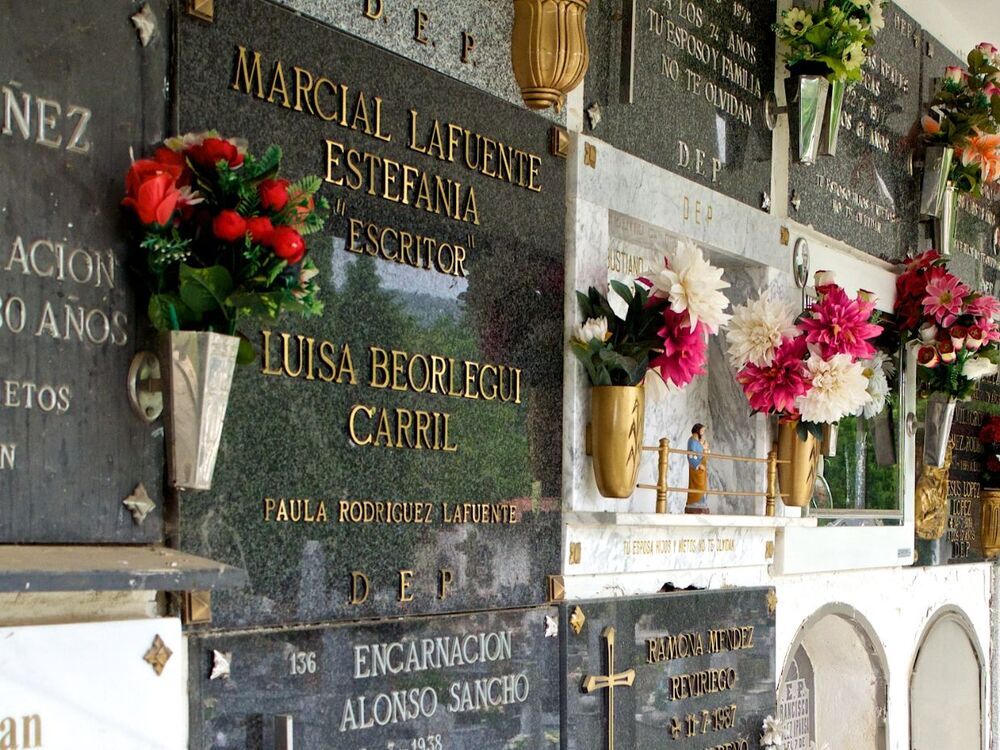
[400,454]
[69,325]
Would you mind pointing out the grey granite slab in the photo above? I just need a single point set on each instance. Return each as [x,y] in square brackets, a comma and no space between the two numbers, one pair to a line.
[695,670]
[468,682]
[78,91]
[698,73]
[474,524]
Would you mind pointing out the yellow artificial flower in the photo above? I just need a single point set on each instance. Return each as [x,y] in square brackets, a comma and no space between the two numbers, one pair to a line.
[797,21]
[854,56]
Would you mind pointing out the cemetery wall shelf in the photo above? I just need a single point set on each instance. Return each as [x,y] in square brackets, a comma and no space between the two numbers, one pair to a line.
[44,568]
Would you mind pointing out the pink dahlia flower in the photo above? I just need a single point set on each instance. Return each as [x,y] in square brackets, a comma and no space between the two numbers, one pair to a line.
[775,388]
[684,349]
[837,324]
[944,297]
[983,307]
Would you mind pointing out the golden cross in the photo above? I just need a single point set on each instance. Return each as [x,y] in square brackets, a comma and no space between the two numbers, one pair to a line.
[609,682]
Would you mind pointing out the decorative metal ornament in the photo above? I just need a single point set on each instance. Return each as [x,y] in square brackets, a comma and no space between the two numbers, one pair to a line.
[576,620]
[551,626]
[158,655]
[617,414]
[765,201]
[202,9]
[931,500]
[594,115]
[796,200]
[549,50]
[609,682]
[800,262]
[221,665]
[145,23]
[772,602]
[139,504]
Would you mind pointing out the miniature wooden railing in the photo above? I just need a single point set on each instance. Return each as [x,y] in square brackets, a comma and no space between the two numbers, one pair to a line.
[661,488]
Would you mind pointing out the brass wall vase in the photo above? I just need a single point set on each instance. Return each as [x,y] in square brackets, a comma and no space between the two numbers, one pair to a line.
[617,416]
[991,523]
[549,49]
[797,475]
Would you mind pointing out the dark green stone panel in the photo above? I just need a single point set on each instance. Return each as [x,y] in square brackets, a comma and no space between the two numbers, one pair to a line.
[288,437]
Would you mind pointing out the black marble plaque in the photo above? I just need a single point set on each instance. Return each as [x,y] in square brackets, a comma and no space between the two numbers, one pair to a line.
[325,490]
[964,535]
[865,195]
[469,682]
[78,90]
[701,664]
[682,84]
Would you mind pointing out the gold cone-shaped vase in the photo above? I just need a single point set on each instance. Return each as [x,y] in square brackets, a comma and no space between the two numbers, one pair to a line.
[549,50]
[798,461]
[617,415]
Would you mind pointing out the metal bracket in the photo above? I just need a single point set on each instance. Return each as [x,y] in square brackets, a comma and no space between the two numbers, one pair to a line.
[145,388]
[772,111]
[913,164]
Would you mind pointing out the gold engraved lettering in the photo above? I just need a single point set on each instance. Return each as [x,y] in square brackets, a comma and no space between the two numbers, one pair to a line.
[445,578]
[405,583]
[359,588]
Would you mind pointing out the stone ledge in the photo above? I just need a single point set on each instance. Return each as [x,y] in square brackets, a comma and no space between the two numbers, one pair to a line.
[28,568]
[588,518]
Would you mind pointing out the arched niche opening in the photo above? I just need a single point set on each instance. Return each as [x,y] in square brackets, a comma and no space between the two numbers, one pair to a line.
[833,686]
[947,686]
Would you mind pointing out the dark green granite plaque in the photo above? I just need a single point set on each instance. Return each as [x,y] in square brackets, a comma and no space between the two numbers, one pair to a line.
[467,682]
[77,91]
[690,670]
[682,85]
[402,453]
[864,195]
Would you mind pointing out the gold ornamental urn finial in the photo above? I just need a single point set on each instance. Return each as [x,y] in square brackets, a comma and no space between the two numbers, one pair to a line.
[549,49]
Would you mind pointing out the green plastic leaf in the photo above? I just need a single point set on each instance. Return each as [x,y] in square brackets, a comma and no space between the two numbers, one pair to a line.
[167,312]
[245,355]
[205,289]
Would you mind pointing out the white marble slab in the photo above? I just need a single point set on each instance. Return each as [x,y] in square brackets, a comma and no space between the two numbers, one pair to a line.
[87,686]
[600,543]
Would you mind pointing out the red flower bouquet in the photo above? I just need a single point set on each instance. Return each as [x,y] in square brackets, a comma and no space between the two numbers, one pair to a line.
[954,328]
[221,235]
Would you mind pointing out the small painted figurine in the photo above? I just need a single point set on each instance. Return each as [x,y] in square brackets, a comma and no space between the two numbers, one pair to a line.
[697,470]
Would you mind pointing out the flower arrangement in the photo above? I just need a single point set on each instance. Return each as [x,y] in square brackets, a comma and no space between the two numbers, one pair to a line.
[665,328]
[989,436]
[965,116]
[772,733]
[954,328]
[221,234]
[817,369]
[833,41]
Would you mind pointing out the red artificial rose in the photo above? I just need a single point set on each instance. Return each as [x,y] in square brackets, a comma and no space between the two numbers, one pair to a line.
[990,431]
[261,229]
[167,158]
[992,465]
[143,169]
[288,244]
[213,150]
[229,226]
[154,200]
[273,194]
